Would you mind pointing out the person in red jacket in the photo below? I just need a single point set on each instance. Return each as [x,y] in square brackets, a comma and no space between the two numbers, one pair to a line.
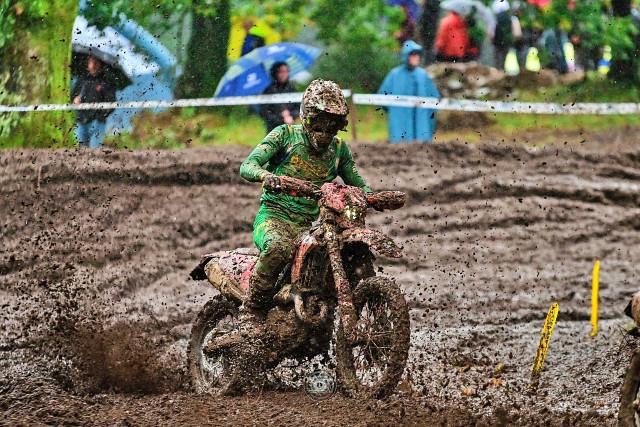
[453,43]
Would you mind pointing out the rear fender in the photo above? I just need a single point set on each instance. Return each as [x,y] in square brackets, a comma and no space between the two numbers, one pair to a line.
[227,271]
[377,241]
[198,273]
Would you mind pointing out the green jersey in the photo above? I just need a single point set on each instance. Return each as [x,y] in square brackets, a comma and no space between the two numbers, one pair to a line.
[286,151]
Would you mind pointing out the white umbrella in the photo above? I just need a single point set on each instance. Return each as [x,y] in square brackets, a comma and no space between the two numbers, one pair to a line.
[466,7]
[112,48]
[141,81]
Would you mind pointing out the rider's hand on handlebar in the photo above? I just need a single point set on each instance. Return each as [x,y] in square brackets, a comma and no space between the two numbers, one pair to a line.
[292,186]
[271,182]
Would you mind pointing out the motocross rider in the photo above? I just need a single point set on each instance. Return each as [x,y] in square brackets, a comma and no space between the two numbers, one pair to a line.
[311,151]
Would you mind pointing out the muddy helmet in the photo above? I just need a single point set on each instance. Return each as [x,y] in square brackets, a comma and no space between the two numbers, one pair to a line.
[323,112]
[323,95]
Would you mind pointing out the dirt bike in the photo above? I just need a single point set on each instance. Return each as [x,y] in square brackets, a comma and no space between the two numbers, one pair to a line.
[629,412]
[332,271]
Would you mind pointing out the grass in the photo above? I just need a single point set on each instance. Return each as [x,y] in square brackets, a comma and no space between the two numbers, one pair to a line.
[593,90]
[520,122]
[191,127]
[175,130]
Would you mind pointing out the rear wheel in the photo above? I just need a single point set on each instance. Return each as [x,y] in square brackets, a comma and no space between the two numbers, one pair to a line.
[373,365]
[628,415]
[210,371]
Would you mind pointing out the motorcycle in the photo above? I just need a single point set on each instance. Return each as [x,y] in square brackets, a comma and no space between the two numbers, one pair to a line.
[629,412]
[331,272]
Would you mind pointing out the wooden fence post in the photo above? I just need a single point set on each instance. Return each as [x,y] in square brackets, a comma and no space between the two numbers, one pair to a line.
[353,119]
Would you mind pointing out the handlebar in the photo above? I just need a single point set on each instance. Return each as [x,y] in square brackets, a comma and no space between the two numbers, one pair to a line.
[300,188]
[297,187]
[387,200]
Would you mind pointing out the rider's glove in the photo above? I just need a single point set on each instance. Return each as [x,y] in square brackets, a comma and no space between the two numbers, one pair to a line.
[271,182]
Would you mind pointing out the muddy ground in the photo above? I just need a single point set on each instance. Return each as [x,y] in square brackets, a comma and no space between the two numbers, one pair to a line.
[96,301]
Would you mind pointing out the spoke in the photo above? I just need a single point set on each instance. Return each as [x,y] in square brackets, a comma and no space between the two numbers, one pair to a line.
[372,349]
[380,346]
[370,353]
[380,334]
[213,366]
[359,356]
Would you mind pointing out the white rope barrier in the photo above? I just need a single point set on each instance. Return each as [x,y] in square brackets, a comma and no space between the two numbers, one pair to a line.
[358,99]
[497,106]
[177,103]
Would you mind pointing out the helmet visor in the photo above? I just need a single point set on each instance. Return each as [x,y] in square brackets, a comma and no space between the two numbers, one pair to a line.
[326,122]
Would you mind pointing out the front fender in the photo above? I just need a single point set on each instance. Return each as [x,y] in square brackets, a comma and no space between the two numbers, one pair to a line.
[377,241]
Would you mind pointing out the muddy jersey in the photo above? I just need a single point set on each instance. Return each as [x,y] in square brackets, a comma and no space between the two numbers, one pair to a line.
[286,151]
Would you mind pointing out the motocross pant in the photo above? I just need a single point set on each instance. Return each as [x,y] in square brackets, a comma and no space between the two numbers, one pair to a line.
[275,234]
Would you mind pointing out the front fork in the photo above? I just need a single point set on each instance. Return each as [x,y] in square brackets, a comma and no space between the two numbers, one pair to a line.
[343,287]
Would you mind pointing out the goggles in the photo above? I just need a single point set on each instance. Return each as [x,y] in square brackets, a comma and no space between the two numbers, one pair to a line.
[326,122]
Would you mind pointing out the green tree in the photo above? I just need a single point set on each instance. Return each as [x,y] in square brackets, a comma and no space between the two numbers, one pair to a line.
[428,27]
[34,67]
[597,25]
[358,35]
[285,16]
[625,67]
[207,49]
[206,59]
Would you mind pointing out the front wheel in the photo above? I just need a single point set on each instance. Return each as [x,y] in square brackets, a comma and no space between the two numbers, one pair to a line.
[211,371]
[628,415]
[373,365]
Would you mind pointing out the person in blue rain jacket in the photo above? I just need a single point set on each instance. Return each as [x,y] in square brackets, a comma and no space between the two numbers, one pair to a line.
[409,124]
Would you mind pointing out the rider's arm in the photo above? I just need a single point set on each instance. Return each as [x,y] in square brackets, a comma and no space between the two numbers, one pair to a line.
[252,168]
[348,171]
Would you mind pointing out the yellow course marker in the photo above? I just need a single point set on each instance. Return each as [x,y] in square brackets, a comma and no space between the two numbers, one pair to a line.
[545,338]
[595,278]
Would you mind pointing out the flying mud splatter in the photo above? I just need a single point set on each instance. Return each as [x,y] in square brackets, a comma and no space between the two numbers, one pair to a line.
[97,304]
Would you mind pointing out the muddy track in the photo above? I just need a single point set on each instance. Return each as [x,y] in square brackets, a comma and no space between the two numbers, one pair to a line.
[96,301]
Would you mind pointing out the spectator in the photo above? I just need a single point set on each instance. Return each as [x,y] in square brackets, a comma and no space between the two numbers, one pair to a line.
[92,87]
[528,52]
[552,41]
[504,37]
[254,38]
[277,114]
[520,36]
[408,124]
[453,43]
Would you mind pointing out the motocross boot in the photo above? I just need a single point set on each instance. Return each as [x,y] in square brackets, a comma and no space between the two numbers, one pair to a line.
[253,311]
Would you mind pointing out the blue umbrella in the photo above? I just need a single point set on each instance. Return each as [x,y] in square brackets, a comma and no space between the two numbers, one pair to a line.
[249,75]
